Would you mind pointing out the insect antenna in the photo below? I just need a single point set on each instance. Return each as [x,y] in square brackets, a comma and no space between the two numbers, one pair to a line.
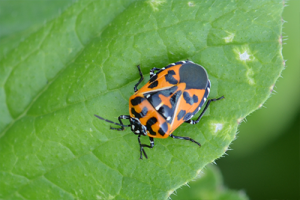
[111,121]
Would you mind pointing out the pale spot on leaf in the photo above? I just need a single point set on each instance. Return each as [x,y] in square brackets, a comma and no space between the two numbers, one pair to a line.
[155,4]
[229,38]
[244,53]
[249,75]
[191,4]
[244,56]
[217,127]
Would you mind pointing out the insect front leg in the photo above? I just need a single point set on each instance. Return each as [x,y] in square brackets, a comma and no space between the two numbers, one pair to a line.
[120,120]
[141,79]
[202,113]
[144,145]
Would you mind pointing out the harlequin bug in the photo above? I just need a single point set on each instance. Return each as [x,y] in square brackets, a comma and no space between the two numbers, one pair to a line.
[173,95]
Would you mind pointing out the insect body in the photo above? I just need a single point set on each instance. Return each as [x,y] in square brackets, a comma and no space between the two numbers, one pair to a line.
[173,95]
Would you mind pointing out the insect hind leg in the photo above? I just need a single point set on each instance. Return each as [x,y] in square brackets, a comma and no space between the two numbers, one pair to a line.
[202,113]
[184,138]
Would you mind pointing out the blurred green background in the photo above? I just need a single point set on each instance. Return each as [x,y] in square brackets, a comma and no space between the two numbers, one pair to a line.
[264,161]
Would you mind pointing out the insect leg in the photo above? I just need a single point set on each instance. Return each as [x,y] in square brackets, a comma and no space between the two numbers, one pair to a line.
[152,71]
[120,120]
[141,79]
[206,106]
[144,145]
[184,138]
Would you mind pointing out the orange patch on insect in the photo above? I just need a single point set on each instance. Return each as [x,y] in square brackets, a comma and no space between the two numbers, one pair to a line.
[165,100]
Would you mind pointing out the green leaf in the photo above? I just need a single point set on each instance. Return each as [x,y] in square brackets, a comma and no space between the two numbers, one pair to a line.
[83,62]
[209,186]
[266,125]
[19,19]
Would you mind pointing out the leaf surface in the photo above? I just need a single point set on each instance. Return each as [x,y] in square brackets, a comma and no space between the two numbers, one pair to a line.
[83,62]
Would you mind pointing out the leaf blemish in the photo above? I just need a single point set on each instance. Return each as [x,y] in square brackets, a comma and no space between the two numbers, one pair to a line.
[217,126]
[244,56]
[229,38]
[155,4]
[191,4]
[244,53]
[250,73]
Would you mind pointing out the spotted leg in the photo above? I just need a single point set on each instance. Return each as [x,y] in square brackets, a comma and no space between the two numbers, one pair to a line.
[120,120]
[144,145]
[141,79]
[184,138]
[152,71]
[206,106]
